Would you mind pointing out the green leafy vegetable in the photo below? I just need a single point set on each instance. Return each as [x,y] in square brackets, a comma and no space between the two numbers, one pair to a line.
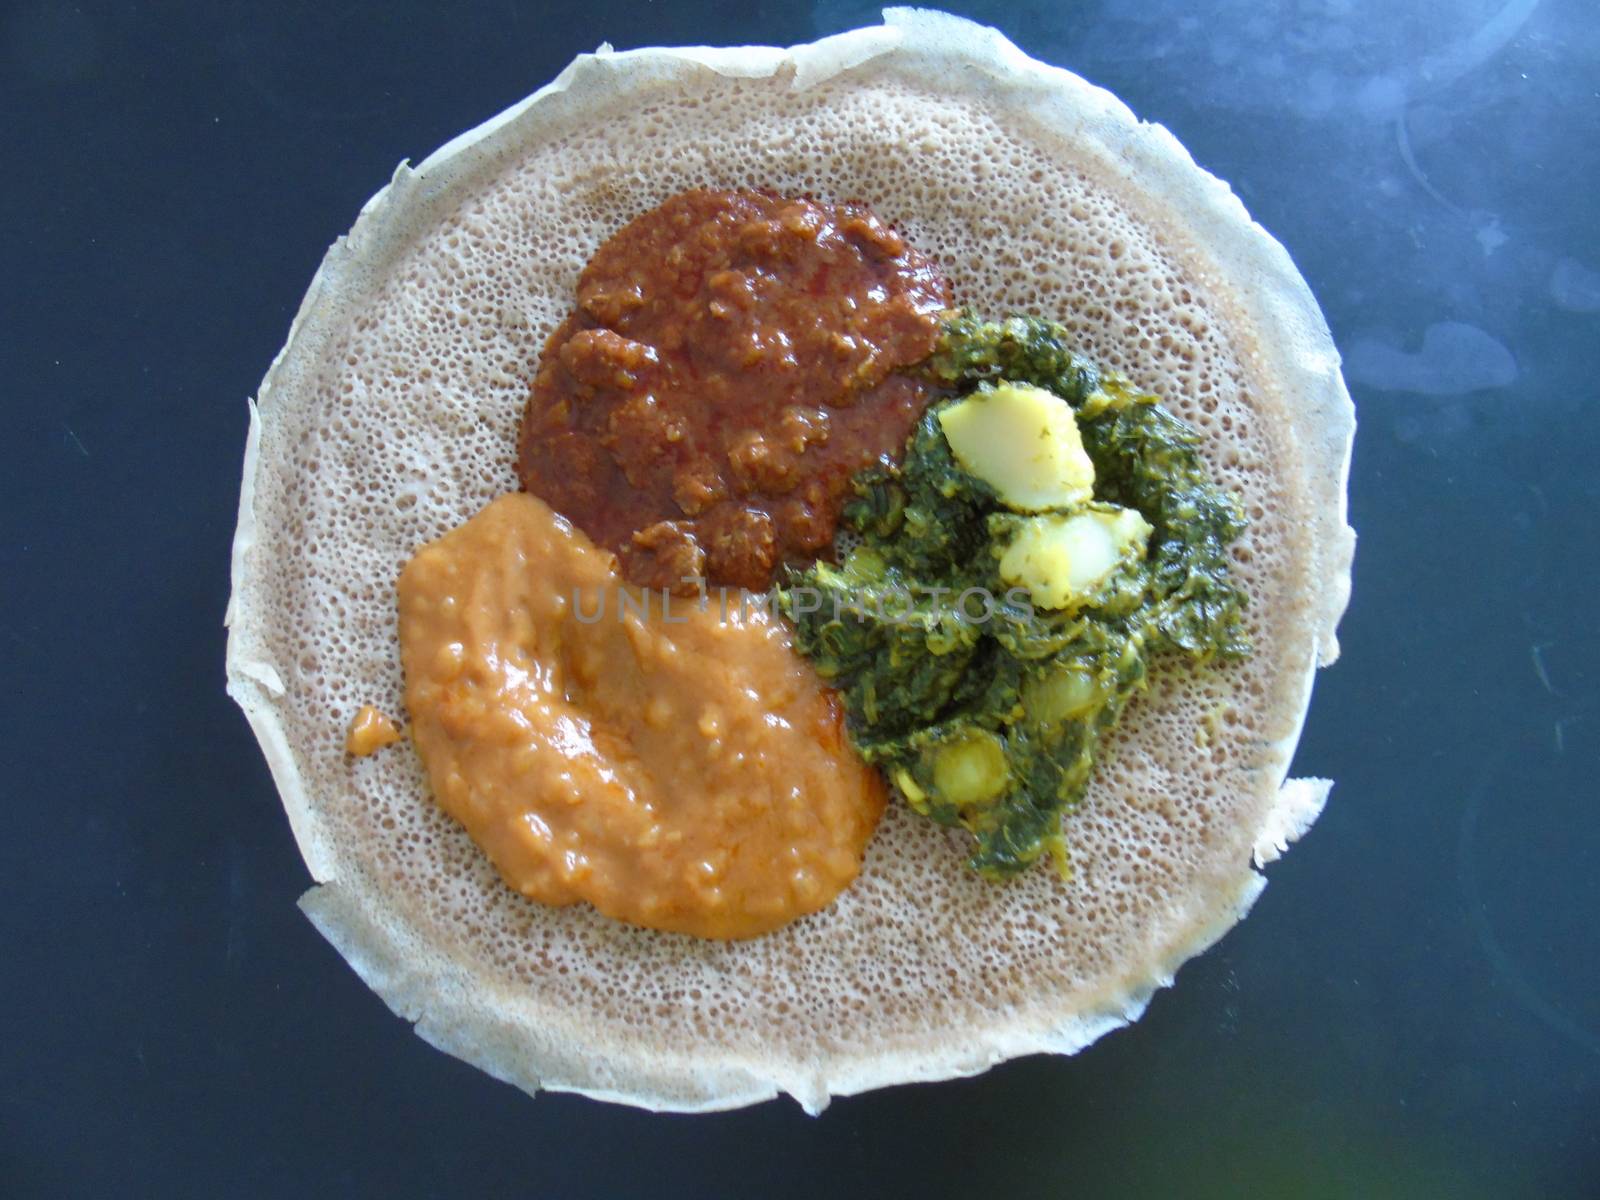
[984,708]
[1018,349]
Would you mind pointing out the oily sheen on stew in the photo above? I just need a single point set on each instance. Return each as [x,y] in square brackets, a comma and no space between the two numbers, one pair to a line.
[734,358]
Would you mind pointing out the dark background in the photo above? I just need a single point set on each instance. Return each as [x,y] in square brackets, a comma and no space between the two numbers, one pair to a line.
[1413,1008]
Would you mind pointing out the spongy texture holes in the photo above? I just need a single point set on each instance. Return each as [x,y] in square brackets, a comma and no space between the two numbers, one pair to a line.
[402,425]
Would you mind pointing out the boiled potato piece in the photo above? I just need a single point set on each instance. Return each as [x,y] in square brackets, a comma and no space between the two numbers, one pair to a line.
[1063,694]
[972,770]
[1062,560]
[1022,441]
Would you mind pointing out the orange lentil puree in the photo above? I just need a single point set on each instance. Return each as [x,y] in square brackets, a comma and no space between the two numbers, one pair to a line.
[689,776]
[369,732]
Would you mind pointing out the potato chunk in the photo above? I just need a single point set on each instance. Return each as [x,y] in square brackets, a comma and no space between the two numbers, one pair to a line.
[1022,441]
[1063,693]
[971,771]
[1062,560]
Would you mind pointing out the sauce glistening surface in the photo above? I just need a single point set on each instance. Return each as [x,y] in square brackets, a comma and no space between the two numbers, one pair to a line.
[689,774]
[734,358]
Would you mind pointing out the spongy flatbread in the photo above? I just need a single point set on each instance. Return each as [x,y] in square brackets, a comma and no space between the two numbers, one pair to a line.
[390,416]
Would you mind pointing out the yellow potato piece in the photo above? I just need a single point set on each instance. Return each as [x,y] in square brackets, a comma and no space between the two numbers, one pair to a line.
[971,771]
[1061,560]
[1022,441]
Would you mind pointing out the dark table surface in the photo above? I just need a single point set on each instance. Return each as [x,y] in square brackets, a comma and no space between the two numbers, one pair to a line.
[1412,1010]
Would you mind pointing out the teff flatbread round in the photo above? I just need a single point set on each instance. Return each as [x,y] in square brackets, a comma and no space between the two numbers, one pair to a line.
[391,414]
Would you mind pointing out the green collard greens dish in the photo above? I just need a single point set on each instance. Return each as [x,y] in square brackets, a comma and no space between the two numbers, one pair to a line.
[1048,530]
